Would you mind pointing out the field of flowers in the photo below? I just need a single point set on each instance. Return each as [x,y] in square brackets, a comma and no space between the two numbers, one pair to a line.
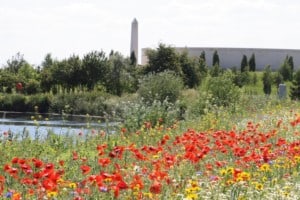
[215,158]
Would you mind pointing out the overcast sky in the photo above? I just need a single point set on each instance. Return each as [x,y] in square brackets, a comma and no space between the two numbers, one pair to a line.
[65,27]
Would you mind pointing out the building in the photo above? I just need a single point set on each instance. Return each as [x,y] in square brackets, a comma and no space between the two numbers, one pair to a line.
[134,38]
[231,57]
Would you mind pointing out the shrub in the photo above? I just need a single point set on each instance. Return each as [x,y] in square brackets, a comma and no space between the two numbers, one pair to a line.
[161,86]
[79,103]
[295,88]
[32,87]
[40,101]
[222,90]
[136,113]
[13,102]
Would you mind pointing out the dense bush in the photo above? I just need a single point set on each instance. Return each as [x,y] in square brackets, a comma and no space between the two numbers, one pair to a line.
[162,86]
[137,112]
[79,103]
[222,90]
[22,103]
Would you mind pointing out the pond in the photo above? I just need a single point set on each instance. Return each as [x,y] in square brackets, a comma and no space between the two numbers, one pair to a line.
[33,124]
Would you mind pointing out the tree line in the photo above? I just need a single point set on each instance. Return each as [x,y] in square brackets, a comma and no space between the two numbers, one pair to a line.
[117,75]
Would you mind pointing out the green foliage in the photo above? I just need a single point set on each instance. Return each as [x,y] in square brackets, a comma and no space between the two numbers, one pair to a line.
[277,79]
[13,102]
[79,103]
[267,80]
[22,103]
[202,56]
[290,61]
[162,86]
[222,90]
[295,88]
[215,59]
[191,75]
[32,86]
[133,60]
[286,70]
[244,63]
[215,71]
[242,78]
[252,63]
[203,69]
[7,81]
[39,103]
[95,69]
[164,58]
[137,112]
[15,63]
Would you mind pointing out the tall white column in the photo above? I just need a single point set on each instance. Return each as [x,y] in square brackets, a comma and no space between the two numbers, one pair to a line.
[134,39]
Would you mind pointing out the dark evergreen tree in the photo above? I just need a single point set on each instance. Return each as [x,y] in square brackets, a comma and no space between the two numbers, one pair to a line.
[295,88]
[285,70]
[202,56]
[291,62]
[252,63]
[215,59]
[267,80]
[203,69]
[191,76]
[133,60]
[244,63]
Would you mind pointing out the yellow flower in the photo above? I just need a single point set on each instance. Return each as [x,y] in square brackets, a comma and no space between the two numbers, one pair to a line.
[223,172]
[155,156]
[264,179]
[245,176]
[230,170]
[52,194]
[192,196]
[259,186]
[72,185]
[265,167]
[148,194]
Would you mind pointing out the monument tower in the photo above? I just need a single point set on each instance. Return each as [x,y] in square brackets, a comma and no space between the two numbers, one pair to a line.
[134,39]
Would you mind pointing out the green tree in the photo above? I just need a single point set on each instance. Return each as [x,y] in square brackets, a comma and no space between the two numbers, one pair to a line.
[277,79]
[295,88]
[215,71]
[161,86]
[286,70]
[95,69]
[164,58]
[133,60]
[290,61]
[202,56]
[222,89]
[47,80]
[244,63]
[203,69]
[267,80]
[252,63]
[116,62]
[215,59]
[191,76]
[15,63]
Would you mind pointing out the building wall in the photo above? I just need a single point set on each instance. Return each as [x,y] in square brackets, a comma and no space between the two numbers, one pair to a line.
[232,57]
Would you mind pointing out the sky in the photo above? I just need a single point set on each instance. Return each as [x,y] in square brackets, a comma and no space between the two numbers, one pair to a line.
[66,27]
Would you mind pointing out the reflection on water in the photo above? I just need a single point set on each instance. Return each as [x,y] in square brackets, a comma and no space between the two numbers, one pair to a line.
[30,123]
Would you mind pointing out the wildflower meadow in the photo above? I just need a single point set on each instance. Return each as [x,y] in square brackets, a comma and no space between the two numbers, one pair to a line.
[216,157]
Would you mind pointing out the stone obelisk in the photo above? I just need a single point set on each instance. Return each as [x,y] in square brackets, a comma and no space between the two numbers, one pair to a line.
[134,39]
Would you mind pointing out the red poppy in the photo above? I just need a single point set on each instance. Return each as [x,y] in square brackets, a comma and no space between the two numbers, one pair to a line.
[155,188]
[85,169]
[104,161]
